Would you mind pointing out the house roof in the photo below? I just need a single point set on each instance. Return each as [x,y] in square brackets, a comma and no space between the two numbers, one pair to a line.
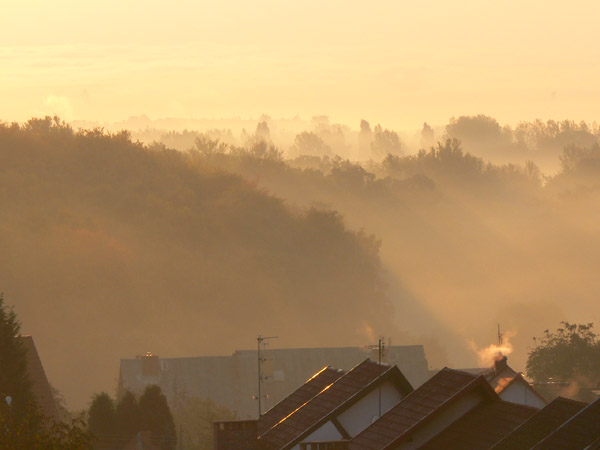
[579,431]
[500,376]
[483,426]
[540,425]
[419,407]
[304,393]
[40,387]
[331,400]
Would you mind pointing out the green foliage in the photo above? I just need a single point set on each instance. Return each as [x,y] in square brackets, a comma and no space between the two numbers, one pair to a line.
[196,417]
[571,352]
[14,381]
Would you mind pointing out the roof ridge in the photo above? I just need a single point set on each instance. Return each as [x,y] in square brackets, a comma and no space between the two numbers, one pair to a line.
[568,421]
[478,380]
[328,414]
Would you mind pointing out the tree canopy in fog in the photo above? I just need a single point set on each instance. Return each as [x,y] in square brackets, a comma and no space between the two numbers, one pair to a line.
[113,248]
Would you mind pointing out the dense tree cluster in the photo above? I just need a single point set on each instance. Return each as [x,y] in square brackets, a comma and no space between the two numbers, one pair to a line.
[571,353]
[116,426]
[140,247]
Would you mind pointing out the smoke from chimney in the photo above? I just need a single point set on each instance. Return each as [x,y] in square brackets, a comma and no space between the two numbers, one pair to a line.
[487,356]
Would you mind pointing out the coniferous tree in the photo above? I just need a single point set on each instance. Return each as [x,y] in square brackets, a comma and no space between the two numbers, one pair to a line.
[101,421]
[127,416]
[156,417]
[14,382]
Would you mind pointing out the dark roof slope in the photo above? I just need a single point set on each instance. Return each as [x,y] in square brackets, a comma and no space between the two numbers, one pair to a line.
[40,387]
[304,393]
[332,398]
[577,432]
[540,425]
[417,407]
[481,427]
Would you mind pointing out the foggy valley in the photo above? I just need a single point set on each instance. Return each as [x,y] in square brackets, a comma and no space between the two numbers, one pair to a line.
[284,225]
[140,247]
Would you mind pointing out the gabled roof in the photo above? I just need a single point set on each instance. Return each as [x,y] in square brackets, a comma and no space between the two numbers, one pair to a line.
[540,425]
[419,407]
[304,393]
[40,387]
[481,427]
[333,399]
[579,431]
[505,378]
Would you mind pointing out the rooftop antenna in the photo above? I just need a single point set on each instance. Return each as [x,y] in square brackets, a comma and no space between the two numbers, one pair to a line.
[500,337]
[381,350]
[260,343]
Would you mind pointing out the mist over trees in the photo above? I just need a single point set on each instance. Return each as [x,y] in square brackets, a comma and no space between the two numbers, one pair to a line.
[195,252]
[465,242]
[113,248]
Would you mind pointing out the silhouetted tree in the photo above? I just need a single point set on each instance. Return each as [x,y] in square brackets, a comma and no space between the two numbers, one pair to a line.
[102,421]
[570,352]
[155,416]
[309,143]
[128,416]
[14,381]
[385,142]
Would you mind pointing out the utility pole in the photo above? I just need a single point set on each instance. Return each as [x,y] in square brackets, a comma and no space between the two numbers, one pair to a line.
[260,345]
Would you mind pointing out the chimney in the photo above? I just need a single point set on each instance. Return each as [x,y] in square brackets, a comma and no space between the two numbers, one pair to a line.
[500,363]
[150,365]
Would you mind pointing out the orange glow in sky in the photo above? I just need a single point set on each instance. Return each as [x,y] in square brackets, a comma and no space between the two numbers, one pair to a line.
[395,62]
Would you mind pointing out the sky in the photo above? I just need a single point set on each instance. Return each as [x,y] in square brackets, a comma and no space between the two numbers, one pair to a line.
[395,62]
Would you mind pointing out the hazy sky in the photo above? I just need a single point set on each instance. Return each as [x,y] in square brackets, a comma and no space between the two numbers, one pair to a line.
[395,62]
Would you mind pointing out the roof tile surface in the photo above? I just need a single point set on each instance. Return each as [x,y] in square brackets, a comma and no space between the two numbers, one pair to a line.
[579,431]
[412,409]
[483,426]
[297,398]
[302,419]
[541,424]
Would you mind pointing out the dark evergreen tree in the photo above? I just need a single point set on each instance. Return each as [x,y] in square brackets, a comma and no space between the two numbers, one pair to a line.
[102,421]
[156,417]
[127,416]
[14,382]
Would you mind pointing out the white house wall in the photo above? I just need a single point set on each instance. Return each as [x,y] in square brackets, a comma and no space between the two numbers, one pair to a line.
[520,392]
[360,415]
[326,432]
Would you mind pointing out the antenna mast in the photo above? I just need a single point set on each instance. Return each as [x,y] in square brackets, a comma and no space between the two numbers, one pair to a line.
[260,347]
[500,337]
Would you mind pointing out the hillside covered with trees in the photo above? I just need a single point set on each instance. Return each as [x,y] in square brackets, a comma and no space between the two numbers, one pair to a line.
[111,249]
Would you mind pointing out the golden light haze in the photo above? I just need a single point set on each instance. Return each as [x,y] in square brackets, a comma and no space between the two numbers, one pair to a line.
[393,62]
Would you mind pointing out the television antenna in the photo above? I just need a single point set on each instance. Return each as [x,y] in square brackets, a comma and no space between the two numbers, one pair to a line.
[261,344]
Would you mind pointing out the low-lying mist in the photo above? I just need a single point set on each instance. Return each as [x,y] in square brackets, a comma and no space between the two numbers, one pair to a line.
[114,246]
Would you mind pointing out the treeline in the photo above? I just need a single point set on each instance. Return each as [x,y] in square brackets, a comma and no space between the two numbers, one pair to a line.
[539,141]
[111,248]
